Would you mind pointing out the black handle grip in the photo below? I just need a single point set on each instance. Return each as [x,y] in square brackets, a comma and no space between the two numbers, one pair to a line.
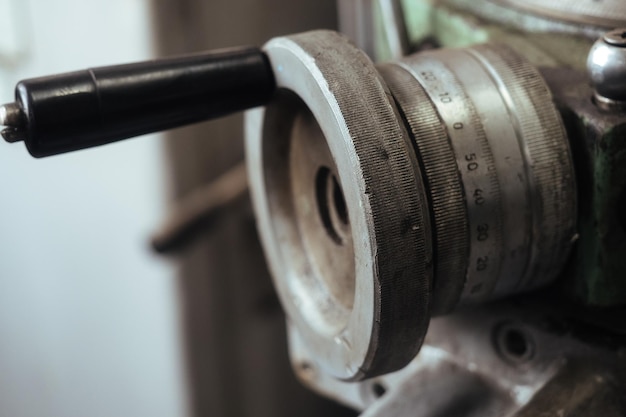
[78,110]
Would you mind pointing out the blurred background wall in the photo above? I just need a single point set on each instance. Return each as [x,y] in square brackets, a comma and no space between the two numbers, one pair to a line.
[88,316]
[91,322]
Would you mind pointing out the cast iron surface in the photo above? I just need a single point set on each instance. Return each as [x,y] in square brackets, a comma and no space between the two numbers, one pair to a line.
[523,357]
[598,267]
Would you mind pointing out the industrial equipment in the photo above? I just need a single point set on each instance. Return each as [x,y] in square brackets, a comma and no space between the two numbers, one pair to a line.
[442,205]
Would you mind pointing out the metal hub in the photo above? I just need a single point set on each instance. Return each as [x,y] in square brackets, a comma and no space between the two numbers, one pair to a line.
[375,217]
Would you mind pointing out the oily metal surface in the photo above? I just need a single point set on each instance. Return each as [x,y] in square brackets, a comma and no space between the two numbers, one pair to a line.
[497,166]
[385,199]
[547,158]
[475,164]
[446,199]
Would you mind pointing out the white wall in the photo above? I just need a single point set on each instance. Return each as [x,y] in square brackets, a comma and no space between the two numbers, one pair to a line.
[88,317]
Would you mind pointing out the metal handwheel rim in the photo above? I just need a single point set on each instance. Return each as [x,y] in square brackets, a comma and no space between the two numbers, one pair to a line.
[386,204]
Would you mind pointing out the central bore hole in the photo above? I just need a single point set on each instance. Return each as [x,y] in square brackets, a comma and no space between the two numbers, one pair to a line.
[515,343]
[331,204]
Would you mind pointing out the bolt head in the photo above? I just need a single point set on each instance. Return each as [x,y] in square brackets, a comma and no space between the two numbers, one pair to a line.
[606,64]
[615,37]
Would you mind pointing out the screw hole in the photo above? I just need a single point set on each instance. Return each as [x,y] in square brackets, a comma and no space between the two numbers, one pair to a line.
[378,389]
[514,344]
[306,370]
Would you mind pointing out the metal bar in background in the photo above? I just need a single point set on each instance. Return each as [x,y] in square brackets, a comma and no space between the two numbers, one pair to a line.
[362,20]
[356,20]
[394,28]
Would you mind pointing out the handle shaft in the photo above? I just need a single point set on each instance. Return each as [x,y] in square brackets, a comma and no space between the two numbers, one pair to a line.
[77,110]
